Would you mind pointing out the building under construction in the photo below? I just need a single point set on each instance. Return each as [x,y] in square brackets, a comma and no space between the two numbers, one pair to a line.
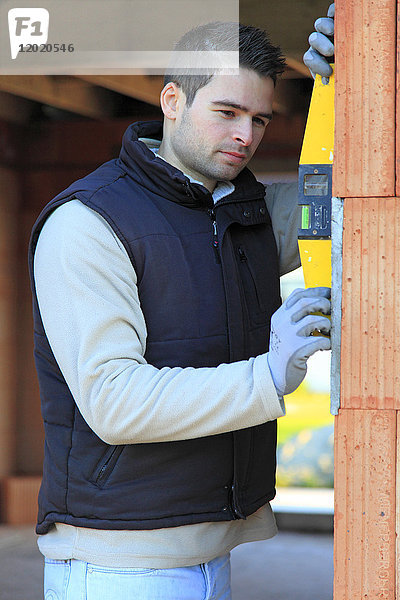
[55,129]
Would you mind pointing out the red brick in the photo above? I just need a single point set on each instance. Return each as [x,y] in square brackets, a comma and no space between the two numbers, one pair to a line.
[398,510]
[398,102]
[365,488]
[370,361]
[365,71]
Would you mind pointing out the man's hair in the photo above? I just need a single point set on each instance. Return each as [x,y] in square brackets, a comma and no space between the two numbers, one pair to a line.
[256,53]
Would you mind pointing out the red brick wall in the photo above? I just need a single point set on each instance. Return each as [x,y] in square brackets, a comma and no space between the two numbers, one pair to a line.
[365,176]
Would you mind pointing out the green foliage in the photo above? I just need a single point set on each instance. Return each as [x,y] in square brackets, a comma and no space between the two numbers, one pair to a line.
[305,441]
[304,410]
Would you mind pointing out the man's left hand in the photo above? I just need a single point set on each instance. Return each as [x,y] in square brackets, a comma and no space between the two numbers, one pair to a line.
[321,45]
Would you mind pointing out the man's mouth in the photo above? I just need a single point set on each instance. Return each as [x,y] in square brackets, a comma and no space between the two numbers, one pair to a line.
[235,157]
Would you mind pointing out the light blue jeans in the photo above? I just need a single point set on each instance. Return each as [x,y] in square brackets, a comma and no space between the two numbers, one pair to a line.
[78,580]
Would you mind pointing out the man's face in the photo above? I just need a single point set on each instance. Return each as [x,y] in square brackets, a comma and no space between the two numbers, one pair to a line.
[217,135]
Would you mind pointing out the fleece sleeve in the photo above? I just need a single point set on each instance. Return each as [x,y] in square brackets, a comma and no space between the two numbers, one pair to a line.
[90,308]
[281,199]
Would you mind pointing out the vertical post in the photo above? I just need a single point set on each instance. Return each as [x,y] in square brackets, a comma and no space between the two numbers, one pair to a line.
[364,176]
[397,509]
[8,269]
[397,278]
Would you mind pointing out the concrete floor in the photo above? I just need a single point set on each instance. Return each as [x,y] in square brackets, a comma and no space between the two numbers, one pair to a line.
[292,566]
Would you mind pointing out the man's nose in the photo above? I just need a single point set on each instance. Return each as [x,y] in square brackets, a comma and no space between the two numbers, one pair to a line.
[243,133]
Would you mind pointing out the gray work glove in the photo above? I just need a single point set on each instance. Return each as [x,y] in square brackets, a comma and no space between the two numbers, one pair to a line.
[291,342]
[321,45]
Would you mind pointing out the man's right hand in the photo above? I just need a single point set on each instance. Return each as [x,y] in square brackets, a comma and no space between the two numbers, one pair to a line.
[321,47]
[291,342]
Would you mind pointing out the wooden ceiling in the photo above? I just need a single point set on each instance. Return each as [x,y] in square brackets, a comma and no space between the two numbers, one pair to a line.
[288,22]
[100,96]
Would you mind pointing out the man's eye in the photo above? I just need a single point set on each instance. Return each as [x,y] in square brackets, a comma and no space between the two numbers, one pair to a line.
[258,121]
[227,113]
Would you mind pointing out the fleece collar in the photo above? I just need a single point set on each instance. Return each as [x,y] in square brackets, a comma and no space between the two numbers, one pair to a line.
[157,175]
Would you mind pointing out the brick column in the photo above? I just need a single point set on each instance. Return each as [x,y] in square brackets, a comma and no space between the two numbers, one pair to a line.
[365,176]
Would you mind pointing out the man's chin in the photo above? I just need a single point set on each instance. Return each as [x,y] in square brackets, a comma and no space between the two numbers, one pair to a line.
[227,172]
[231,173]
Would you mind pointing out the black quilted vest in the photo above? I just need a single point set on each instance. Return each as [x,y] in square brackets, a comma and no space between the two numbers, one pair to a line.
[208,284]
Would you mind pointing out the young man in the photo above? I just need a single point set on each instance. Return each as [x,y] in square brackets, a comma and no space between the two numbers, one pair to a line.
[155,280]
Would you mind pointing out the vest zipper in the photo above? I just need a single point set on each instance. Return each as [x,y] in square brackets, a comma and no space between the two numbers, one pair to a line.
[108,465]
[242,255]
[215,242]
[234,506]
[250,275]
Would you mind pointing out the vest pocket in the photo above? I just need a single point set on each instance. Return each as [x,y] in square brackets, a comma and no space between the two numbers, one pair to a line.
[255,306]
[106,465]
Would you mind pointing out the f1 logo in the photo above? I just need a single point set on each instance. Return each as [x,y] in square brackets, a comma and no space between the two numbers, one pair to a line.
[27,25]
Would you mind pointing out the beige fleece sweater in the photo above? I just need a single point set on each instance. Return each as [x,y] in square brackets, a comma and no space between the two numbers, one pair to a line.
[89,304]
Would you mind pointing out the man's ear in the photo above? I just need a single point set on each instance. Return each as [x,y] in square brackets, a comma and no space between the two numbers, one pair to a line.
[171,100]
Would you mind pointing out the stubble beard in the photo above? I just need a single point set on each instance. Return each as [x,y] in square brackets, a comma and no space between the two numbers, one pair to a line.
[196,156]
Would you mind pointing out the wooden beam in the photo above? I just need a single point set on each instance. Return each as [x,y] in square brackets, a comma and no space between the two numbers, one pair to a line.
[14,109]
[66,93]
[296,69]
[9,200]
[146,88]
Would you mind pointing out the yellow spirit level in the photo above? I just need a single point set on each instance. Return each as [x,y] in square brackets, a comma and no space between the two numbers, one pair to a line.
[315,185]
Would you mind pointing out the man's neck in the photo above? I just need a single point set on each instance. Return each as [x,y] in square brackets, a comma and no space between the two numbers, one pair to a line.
[166,152]
[222,188]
